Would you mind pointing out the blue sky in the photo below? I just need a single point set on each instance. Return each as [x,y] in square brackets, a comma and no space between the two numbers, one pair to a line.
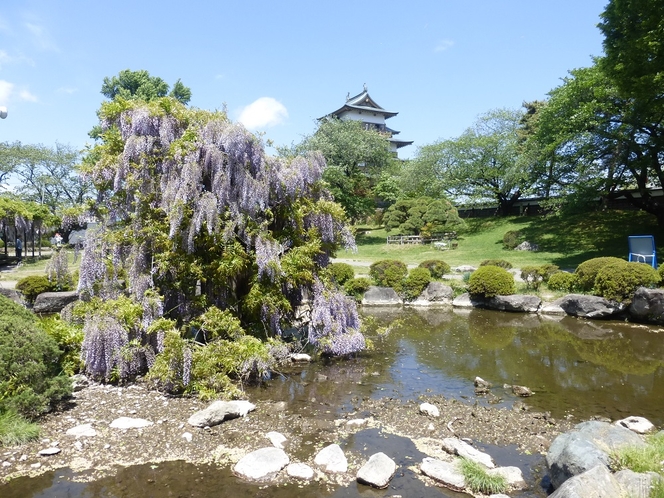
[277,66]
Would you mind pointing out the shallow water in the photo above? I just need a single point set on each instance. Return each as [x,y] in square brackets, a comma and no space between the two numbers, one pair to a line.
[610,369]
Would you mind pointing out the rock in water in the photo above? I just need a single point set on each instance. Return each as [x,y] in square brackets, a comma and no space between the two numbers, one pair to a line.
[331,459]
[457,447]
[219,411]
[378,471]
[130,423]
[430,410]
[261,465]
[639,425]
[445,473]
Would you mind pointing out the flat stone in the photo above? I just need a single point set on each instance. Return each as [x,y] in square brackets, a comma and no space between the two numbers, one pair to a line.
[445,473]
[332,460]
[276,439]
[460,448]
[381,296]
[130,423]
[429,410]
[261,465]
[300,471]
[636,485]
[49,451]
[188,436]
[463,301]
[300,357]
[640,425]
[84,430]
[585,306]
[513,476]
[53,302]
[378,471]
[357,422]
[219,411]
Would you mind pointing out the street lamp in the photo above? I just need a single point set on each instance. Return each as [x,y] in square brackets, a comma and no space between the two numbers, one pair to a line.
[3,112]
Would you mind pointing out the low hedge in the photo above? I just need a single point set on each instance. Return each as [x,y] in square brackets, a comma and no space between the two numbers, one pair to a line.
[388,273]
[586,272]
[437,267]
[34,285]
[415,283]
[342,272]
[618,280]
[562,281]
[500,263]
[490,281]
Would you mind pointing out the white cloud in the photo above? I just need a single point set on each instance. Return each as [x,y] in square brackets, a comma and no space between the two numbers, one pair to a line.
[5,91]
[263,113]
[26,95]
[67,90]
[41,38]
[443,45]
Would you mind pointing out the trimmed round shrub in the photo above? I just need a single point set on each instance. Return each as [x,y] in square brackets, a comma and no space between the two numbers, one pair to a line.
[562,281]
[547,270]
[32,286]
[512,239]
[416,281]
[500,263]
[490,281]
[619,280]
[342,272]
[357,287]
[586,272]
[437,267]
[532,276]
[388,273]
[29,380]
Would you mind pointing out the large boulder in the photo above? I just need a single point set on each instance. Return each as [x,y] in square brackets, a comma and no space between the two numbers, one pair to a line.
[261,465]
[53,302]
[521,303]
[219,411]
[436,293]
[332,460]
[381,296]
[11,294]
[597,482]
[378,471]
[647,306]
[585,306]
[586,446]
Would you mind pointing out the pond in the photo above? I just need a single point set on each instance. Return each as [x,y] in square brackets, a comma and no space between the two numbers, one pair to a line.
[575,367]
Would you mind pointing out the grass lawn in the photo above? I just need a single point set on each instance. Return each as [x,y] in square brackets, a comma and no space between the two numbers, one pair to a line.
[34,266]
[565,241]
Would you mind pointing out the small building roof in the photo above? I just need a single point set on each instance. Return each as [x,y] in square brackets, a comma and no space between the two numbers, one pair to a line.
[361,102]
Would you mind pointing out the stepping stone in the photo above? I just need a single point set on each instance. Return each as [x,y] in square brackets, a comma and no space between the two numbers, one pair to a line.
[84,430]
[448,474]
[378,471]
[457,447]
[332,460]
[261,465]
[130,423]
[300,471]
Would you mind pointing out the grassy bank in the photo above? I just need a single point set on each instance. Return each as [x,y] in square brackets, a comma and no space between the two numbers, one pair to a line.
[565,241]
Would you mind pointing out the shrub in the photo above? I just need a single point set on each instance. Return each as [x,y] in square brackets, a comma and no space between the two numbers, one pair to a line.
[512,239]
[490,281]
[29,380]
[619,280]
[57,271]
[69,338]
[416,281]
[547,270]
[501,263]
[388,273]
[586,272]
[562,281]
[437,267]
[34,285]
[357,287]
[533,276]
[342,272]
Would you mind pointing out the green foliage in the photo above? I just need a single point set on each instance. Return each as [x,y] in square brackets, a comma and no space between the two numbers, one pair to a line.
[416,281]
[501,263]
[490,281]
[57,271]
[16,430]
[547,270]
[640,459]
[512,238]
[619,280]
[69,338]
[422,216]
[218,324]
[10,308]
[357,287]
[562,281]
[140,85]
[29,372]
[33,285]
[533,276]
[480,481]
[341,272]
[586,272]
[437,267]
[171,369]
[388,273]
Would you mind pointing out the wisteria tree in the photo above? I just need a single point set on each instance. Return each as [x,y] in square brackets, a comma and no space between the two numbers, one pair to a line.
[193,210]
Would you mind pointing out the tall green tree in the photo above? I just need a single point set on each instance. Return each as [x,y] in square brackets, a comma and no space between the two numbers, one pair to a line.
[140,85]
[355,159]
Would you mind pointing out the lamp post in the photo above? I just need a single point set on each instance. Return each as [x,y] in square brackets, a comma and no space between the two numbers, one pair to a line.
[3,112]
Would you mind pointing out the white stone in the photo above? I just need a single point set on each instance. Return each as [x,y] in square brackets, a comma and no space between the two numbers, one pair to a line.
[84,430]
[300,471]
[276,439]
[639,425]
[130,423]
[187,436]
[261,465]
[300,357]
[357,422]
[219,411]
[457,447]
[35,465]
[50,451]
[6,464]
[331,459]
[430,410]
[378,471]
[78,445]
[513,476]
[444,472]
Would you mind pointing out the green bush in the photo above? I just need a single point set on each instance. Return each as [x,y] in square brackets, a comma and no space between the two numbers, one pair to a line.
[586,272]
[388,273]
[416,281]
[533,276]
[357,287]
[500,263]
[29,370]
[619,280]
[69,338]
[16,430]
[342,272]
[512,239]
[490,281]
[547,270]
[437,267]
[34,285]
[562,281]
